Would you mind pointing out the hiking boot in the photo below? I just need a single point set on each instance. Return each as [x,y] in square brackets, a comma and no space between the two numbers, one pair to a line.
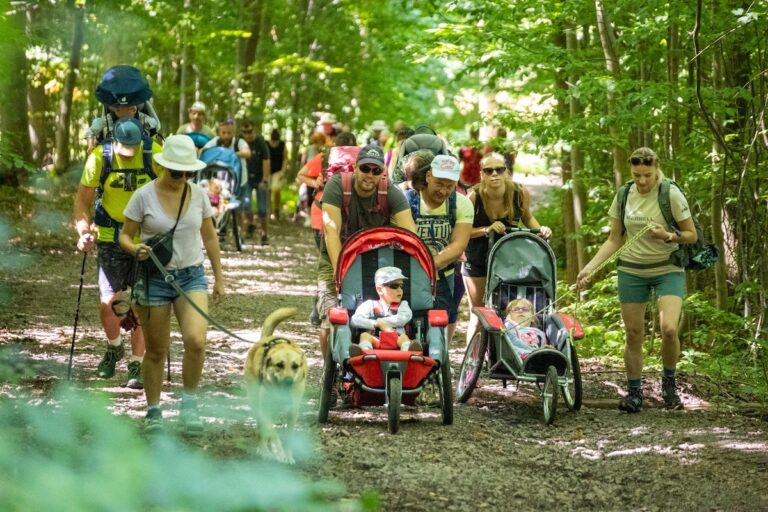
[633,402]
[190,418]
[135,381]
[669,394]
[106,368]
[314,317]
[153,421]
[264,240]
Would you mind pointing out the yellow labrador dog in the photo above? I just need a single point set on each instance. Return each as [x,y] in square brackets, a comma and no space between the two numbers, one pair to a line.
[276,375]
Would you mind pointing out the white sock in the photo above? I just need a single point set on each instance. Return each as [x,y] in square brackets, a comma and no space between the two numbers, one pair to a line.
[367,345]
[116,342]
[405,345]
[137,358]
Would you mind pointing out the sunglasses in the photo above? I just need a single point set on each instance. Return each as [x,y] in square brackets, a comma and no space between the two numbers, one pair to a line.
[394,286]
[646,160]
[498,170]
[521,309]
[372,169]
[179,174]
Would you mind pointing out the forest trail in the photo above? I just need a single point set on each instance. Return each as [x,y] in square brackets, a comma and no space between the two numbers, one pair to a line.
[498,455]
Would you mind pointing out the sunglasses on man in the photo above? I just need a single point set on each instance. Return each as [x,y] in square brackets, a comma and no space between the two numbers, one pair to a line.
[646,160]
[498,170]
[372,169]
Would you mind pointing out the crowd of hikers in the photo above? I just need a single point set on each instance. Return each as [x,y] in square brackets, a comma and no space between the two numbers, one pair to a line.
[408,177]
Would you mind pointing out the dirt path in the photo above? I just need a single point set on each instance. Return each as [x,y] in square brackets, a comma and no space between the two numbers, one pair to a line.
[498,455]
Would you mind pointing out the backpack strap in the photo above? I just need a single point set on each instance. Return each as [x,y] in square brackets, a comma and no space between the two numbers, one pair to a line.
[382,205]
[346,200]
[146,157]
[665,203]
[452,200]
[622,196]
[107,152]
[414,201]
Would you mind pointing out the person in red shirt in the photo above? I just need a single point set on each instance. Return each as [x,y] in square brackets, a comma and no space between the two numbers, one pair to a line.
[470,156]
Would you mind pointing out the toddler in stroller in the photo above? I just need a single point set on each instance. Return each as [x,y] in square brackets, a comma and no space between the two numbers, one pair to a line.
[520,328]
[389,314]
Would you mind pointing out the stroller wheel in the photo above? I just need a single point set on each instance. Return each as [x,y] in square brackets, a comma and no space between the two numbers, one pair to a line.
[326,392]
[549,395]
[394,395]
[471,367]
[572,393]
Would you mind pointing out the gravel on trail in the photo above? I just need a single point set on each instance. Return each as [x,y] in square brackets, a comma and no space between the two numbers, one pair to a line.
[498,454]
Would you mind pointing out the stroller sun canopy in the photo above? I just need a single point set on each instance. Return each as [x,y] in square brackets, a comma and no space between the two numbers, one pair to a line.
[525,259]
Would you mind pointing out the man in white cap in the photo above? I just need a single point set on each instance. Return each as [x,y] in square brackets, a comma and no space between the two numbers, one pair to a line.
[112,173]
[196,124]
[443,220]
[327,127]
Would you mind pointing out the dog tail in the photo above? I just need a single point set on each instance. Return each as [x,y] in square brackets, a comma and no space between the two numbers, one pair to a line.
[275,318]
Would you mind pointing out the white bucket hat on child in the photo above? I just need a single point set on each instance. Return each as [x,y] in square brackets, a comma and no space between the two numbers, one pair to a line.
[179,154]
[388,274]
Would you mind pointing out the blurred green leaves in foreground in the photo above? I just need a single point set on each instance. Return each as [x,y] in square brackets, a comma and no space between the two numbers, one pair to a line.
[67,452]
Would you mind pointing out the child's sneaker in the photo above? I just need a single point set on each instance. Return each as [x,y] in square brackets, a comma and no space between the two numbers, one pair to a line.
[135,380]
[669,393]
[355,350]
[153,421]
[633,402]
[106,368]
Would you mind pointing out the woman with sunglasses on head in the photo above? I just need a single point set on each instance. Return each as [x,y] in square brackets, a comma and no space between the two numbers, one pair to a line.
[499,203]
[171,204]
[644,266]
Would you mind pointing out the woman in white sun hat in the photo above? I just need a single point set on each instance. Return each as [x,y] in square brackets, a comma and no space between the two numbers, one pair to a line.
[154,212]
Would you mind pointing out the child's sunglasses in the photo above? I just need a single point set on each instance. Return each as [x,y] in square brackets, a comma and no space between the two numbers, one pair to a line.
[521,309]
[646,160]
[394,286]
[497,170]
[372,169]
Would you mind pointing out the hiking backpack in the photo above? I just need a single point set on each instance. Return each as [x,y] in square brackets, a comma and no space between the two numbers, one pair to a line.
[101,217]
[382,206]
[338,159]
[412,144]
[125,85]
[699,255]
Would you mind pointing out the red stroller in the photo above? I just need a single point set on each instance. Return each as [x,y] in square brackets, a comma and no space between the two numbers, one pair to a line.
[381,376]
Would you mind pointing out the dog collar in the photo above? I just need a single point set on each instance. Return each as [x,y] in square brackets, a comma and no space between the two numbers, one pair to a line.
[268,346]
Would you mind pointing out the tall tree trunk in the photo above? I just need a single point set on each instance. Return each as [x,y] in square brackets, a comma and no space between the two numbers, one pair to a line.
[672,127]
[37,106]
[184,67]
[608,43]
[63,123]
[14,144]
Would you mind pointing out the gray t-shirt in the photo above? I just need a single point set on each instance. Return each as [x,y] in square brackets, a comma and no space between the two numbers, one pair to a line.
[362,210]
[144,207]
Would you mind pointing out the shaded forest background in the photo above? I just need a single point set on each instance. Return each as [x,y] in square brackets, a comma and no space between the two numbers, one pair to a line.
[579,83]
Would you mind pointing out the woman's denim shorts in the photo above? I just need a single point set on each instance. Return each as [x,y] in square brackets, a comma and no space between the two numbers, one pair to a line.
[189,279]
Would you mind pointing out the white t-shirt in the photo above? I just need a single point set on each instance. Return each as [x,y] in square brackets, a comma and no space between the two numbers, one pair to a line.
[640,210]
[241,144]
[144,207]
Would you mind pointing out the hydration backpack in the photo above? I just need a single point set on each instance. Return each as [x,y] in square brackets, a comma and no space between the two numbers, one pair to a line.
[699,255]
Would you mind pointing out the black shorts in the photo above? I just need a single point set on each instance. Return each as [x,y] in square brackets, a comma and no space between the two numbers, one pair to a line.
[474,269]
[116,269]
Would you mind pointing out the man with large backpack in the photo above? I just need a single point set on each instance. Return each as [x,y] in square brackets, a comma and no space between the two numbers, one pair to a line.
[353,201]
[112,173]
[443,219]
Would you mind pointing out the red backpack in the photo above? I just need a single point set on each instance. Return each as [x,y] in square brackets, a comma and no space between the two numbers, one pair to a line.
[339,159]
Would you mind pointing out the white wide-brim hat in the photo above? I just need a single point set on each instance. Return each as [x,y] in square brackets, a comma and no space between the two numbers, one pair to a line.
[179,154]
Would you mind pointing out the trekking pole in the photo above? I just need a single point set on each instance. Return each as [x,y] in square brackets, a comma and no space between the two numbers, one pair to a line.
[77,316]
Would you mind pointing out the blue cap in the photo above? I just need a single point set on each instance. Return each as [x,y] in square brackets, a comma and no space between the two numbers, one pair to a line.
[128,131]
